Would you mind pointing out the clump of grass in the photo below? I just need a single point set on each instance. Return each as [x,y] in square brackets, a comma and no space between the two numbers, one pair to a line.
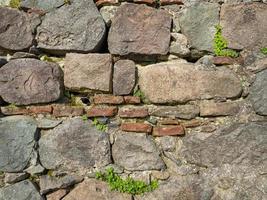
[221,45]
[139,93]
[100,126]
[84,118]
[14,4]
[128,185]
[264,50]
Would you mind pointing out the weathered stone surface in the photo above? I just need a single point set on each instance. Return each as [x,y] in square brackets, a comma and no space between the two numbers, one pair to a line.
[258,93]
[209,108]
[45,123]
[124,77]
[182,112]
[65,110]
[244,25]
[30,81]
[241,144]
[92,189]
[136,127]
[4,2]
[83,30]
[139,30]
[15,177]
[17,136]
[16,29]
[179,45]
[19,55]
[24,190]
[108,13]
[136,151]
[74,146]
[47,5]
[185,82]
[49,183]
[88,72]
[59,194]
[198,24]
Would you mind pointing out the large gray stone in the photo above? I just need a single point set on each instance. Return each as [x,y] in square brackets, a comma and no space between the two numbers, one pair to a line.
[78,27]
[198,24]
[15,29]
[74,146]
[24,190]
[182,82]
[30,81]
[258,93]
[95,190]
[47,5]
[139,30]
[17,140]
[124,77]
[83,72]
[136,151]
[244,25]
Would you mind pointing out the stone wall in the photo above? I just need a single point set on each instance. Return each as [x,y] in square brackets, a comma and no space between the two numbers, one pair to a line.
[138,87]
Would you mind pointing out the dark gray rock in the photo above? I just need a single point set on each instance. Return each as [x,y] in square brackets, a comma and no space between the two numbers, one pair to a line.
[139,30]
[19,55]
[198,25]
[136,151]
[30,81]
[15,177]
[16,29]
[17,136]
[24,190]
[124,77]
[74,146]
[47,5]
[46,123]
[3,61]
[78,27]
[258,93]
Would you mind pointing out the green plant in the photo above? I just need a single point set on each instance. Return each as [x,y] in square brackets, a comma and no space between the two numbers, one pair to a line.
[67,2]
[128,185]
[220,45]
[1,173]
[264,50]
[50,59]
[100,126]
[84,118]
[14,4]
[139,93]
[12,105]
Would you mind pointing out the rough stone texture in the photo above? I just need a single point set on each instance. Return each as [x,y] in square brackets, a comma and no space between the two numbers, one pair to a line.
[15,177]
[139,30]
[45,123]
[24,190]
[208,108]
[83,30]
[124,77]
[74,146]
[30,81]
[49,183]
[16,29]
[65,110]
[59,194]
[198,24]
[17,136]
[108,13]
[47,5]
[88,72]
[136,151]
[182,112]
[179,45]
[258,94]
[92,189]
[244,25]
[185,82]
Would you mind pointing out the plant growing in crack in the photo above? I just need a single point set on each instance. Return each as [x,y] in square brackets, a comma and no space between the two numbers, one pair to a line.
[100,126]
[264,50]
[15,4]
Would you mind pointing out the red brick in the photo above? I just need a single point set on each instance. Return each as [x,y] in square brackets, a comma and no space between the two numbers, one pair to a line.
[98,111]
[136,127]
[101,3]
[169,122]
[40,109]
[223,60]
[133,112]
[108,99]
[132,100]
[168,130]
[65,111]
[8,110]
[192,124]
[170,2]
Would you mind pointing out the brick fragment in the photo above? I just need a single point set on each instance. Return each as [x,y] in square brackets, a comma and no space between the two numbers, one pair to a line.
[132,100]
[66,110]
[108,99]
[133,112]
[136,127]
[100,111]
[168,130]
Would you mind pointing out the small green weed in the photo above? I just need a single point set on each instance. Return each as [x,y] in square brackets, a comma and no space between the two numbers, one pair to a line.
[67,2]
[14,4]
[220,45]
[128,185]
[139,93]
[12,105]
[1,173]
[264,50]
[99,126]
[84,118]
[50,59]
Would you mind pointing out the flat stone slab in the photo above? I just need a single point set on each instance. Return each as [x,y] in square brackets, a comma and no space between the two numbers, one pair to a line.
[16,29]
[83,72]
[30,81]
[136,151]
[17,140]
[24,190]
[140,30]
[74,146]
[77,27]
[182,82]
[47,5]
[244,25]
